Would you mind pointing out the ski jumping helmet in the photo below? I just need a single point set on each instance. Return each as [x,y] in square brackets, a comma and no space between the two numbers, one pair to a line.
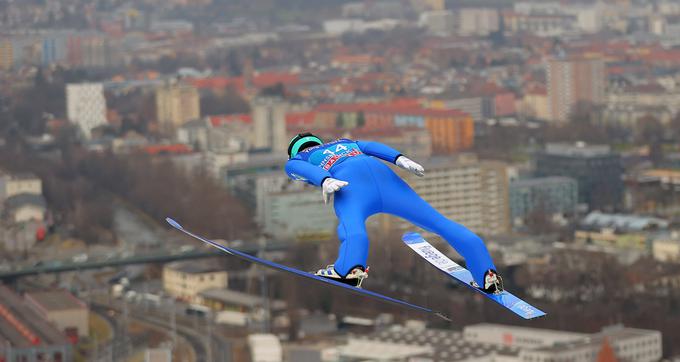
[302,141]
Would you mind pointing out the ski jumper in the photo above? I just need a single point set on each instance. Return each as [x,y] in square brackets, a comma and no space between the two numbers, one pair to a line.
[374,188]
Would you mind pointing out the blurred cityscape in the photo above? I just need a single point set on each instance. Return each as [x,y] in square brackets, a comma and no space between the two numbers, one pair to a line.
[550,128]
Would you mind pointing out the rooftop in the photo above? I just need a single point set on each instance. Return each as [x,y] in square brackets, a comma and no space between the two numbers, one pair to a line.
[194,268]
[55,300]
[437,344]
[622,221]
[21,326]
[542,181]
[24,199]
[579,149]
[612,334]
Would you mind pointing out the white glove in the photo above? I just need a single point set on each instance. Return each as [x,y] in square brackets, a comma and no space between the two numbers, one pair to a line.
[329,186]
[409,165]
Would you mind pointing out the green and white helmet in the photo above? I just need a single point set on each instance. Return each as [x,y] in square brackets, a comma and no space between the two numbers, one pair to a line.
[302,141]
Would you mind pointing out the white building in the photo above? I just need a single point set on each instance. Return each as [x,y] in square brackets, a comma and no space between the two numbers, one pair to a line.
[299,215]
[590,19]
[269,124]
[478,21]
[521,337]
[185,280]
[442,22]
[265,348]
[15,184]
[86,106]
[667,248]
[628,344]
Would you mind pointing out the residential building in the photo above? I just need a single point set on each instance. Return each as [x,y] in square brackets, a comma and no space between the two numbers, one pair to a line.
[471,192]
[415,142]
[550,195]
[185,280]
[625,106]
[269,124]
[86,106]
[22,208]
[485,342]
[596,168]
[440,22]
[62,309]
[479,108]
[539,24]
[655,191]
[517,337]
[176,104]
[534,104]
[92,50]
[627,344]
[632,232]
[451,130]
[14,184]
[572,80]
[265,348]
[298,215]
[434,5]
[478,21]
[666,248]
[26,333]
[6,54]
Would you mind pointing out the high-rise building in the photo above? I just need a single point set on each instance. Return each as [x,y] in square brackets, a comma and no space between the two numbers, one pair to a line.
[86,106]
[573,80]
[6,55]
[478,21]
[551,195]
[269,124]
[596,168]
[177,103]
[468,191]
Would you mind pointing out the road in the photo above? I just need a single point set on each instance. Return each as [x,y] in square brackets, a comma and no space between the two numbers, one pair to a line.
[208,346]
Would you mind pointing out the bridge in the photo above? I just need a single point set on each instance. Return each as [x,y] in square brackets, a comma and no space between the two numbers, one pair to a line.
[60,266]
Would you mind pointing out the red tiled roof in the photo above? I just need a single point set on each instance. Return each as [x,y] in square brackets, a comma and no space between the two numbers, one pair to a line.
[300,118]
[376,132]
[389,108]
[221,120]
[269,79]
[237,83]
[161,149]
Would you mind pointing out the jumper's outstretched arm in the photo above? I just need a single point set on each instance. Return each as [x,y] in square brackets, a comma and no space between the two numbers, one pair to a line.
[300,170]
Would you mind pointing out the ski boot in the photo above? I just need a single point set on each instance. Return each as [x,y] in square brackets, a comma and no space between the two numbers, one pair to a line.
[493,283]
[354,278]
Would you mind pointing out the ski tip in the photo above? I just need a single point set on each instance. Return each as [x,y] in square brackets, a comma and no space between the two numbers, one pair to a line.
[411,238]
[442,316]
[173,223]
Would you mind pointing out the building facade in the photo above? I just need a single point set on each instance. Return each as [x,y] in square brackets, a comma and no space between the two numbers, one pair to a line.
[186,280]
[571,81]
[597,170]
[176,104]
[61,308]
[86,106]
[468,191]
[269,124]
[554,195]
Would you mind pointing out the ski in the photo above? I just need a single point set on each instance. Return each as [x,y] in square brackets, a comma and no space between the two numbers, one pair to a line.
[270,264]
[462,275]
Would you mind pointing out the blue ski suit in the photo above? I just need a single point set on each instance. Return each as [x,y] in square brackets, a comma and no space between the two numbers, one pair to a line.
[374,188]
